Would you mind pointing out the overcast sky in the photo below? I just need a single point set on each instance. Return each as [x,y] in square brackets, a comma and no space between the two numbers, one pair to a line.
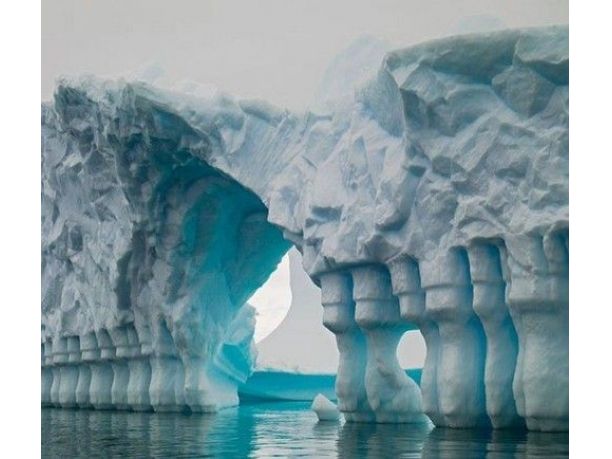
[271,49]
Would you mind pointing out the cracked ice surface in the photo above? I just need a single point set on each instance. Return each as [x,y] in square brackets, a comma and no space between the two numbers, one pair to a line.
[432,195]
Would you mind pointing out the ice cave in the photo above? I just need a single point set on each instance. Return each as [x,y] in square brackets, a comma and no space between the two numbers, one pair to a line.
[429,194]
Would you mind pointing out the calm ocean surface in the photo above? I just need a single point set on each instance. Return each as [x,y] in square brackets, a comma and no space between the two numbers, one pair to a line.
[273,430]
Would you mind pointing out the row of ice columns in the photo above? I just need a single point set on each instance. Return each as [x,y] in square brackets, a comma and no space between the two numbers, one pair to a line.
[494,317]
[110,370]
[360,309]
[122,369]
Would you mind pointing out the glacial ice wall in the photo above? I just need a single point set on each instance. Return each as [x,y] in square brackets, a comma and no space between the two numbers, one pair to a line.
[432,196]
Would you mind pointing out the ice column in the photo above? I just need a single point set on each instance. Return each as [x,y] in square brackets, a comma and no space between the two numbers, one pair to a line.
[460,373]
[59,358]
[538,296]
[47,374]
[89,353]
[339,318]
[406,282]
[502,343]
[102,373]
[393,396]
[69,373]
[121,372]
[166,391]
[140,370]
[203,392]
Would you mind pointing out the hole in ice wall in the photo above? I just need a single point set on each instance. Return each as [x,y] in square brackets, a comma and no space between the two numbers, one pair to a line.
[411,350]
[272,300]
[284,349]
[290,314]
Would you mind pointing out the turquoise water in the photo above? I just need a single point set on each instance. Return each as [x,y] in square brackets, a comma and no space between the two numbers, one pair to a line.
[273,430]
[268,385]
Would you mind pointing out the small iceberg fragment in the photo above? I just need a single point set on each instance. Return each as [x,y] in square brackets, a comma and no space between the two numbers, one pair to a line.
[326,409]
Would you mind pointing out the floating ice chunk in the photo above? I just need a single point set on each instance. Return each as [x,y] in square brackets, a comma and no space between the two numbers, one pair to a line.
[326,409]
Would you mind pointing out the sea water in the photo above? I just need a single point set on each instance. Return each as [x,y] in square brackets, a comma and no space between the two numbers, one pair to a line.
[282,429]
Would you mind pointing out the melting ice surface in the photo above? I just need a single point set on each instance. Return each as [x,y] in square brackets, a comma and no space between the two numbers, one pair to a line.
[275,430]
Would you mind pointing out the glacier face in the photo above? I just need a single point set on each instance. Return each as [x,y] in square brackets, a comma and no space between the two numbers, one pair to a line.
[432,195]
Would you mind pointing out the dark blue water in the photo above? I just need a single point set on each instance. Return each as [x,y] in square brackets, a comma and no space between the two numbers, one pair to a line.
[273,430]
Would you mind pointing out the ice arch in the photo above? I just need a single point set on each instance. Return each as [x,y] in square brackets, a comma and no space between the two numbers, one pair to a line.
[149,255]
[432,196]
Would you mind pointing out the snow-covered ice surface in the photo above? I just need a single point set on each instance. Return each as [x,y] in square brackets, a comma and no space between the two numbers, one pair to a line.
[431,194]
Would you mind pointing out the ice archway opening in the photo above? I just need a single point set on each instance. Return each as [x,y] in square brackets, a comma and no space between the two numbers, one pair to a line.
[150,253]
[289,309]
[272,301]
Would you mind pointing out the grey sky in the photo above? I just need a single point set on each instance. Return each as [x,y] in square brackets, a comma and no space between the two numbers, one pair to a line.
[271,49]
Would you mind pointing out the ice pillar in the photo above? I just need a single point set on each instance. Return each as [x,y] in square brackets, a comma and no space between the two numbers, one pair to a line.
[460,373]
[538,296]
[59,358]
[69,373]
[90,353]
[393,396]
[406,282]
[102,373]
[121,372]
[166,391]
[339,318]
[47,374]
[140,370]
[502,343]
[206,390]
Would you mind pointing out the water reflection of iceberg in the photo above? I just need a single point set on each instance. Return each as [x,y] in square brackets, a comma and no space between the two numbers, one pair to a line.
[281,429]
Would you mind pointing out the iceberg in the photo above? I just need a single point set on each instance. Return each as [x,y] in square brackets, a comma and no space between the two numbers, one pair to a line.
[431,194]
